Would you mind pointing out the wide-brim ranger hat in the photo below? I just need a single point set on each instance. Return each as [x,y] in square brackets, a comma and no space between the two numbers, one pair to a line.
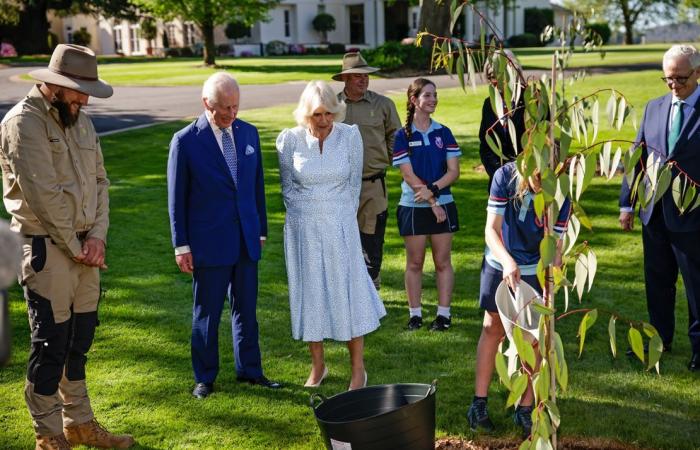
[74,67]
[354,63]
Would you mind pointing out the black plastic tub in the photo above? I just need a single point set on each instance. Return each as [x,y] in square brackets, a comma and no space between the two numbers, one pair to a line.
[389,416]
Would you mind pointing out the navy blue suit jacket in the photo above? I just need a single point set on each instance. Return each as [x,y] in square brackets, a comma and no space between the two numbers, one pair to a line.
[207,210]
[653,136]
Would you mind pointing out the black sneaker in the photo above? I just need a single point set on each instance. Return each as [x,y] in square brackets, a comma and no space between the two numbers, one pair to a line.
[478,416]
[414,323]
[523,418]
[441,323]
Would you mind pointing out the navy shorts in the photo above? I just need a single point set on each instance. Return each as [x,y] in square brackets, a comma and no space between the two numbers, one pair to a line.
[490,279]
[421,221]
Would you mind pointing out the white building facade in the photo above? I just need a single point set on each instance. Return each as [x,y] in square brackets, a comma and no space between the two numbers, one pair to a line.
[359,24]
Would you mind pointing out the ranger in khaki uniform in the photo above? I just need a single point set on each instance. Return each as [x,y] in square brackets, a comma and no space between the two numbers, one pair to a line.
[377,119]
[55,188]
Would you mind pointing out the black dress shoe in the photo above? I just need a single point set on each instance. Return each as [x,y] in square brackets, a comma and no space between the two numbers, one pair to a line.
[261,381]
[202,390]
[694,364]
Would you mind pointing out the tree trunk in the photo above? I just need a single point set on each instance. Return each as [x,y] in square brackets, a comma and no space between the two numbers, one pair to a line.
[209,51]
[33,22]
[435,19]
[629,23]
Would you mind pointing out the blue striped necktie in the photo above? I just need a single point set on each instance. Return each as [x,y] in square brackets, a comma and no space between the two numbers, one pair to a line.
[230,154]
[676,124]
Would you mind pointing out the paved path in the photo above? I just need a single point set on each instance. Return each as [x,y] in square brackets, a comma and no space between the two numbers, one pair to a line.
[141,106]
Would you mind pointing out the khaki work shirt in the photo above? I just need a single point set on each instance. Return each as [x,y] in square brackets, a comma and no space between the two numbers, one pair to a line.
[54,180]
[376,117]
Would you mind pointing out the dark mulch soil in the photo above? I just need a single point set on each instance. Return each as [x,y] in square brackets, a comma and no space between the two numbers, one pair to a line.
[566,443]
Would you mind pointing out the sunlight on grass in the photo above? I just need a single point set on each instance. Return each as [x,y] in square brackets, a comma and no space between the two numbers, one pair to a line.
[139,369]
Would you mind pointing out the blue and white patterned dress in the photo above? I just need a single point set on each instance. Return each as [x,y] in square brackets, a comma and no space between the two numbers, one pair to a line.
[331,295]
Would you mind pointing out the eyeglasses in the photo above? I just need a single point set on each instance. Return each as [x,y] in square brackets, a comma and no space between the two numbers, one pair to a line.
[678,80]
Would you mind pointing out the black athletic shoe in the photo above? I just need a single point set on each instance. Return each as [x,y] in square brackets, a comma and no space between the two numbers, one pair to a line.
[441,323]
[523,418]
[478,416]
[414,323]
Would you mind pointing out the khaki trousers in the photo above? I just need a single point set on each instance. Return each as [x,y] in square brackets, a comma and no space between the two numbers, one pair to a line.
[62,298]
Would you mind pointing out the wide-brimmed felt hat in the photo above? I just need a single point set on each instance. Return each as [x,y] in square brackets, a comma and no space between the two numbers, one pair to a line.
[354,63]
[74,67]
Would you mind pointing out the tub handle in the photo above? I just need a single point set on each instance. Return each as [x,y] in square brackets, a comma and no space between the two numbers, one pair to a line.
[314,397]
[432,388]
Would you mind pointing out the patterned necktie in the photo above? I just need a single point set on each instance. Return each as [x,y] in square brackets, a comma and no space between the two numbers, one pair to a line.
[230,154]
[676,124]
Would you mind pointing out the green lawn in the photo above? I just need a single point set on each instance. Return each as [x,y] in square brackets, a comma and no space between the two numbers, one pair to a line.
[615,55]
[139,369]
[191,71]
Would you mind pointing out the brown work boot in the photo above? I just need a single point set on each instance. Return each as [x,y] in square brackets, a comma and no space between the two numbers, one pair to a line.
[95,435]
[57,442]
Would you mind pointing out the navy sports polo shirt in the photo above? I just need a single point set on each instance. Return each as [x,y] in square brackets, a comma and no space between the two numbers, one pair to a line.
[522,231]
[428,154]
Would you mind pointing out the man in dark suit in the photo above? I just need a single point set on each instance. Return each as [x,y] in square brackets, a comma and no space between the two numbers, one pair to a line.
[670,131]
[216,201]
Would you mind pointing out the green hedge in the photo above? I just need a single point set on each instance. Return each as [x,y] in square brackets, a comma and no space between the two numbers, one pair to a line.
[393,56]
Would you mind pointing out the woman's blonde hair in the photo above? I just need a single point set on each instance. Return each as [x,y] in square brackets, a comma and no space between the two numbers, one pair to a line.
[318,94]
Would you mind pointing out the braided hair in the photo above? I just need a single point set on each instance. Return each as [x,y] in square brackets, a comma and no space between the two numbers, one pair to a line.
[414,90]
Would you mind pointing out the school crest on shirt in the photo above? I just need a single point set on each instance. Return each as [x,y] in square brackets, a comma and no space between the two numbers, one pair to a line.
[438,141]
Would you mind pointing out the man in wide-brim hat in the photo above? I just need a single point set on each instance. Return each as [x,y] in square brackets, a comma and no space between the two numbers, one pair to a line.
[376,117]
[55,188]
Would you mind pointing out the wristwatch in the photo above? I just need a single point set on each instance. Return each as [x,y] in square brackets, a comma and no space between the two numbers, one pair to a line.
[434,189]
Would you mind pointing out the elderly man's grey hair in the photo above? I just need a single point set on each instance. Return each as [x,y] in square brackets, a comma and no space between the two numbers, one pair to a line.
[683,50]
[218,83]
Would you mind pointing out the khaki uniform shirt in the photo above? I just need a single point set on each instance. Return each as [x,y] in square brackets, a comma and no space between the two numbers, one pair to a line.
[377,119]
[54,180]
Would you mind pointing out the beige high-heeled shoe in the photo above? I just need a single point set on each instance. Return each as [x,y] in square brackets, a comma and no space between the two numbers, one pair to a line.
[364,384]
[318,383]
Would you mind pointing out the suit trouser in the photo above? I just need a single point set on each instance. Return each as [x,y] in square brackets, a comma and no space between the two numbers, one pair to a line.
[665,252]
[210,287]
[62,298]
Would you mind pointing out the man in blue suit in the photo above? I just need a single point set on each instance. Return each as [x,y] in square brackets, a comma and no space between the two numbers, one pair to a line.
[670,131]
[216,201]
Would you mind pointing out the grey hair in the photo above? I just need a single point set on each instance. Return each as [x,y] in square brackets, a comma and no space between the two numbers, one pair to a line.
[318,94]
[683,51]
[216,84]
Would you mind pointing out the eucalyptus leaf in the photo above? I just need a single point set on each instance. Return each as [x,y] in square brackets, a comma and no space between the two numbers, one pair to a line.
[635,339]
[553,411]
[517,389]
[586,323]
[621,113]
[611,334]
[656,347]
[594,118]
[663,183]
[592,267]
[502,370]
[456,14]
[611,109]
[581,214]
[548,249]
[615,163]
[580,176]
[525,350]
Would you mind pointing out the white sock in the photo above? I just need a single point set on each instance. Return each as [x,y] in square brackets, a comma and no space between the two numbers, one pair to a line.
[415,312]
[444,311]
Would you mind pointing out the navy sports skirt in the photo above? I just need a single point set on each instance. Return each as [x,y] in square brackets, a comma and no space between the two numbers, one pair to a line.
[490,279]
[421,221]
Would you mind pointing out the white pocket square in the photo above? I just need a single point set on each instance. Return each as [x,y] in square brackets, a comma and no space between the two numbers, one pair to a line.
[249,150]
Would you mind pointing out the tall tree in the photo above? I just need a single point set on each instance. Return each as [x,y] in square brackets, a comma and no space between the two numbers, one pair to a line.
[627,12]
[435,19]
[207,14]
[30,19]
